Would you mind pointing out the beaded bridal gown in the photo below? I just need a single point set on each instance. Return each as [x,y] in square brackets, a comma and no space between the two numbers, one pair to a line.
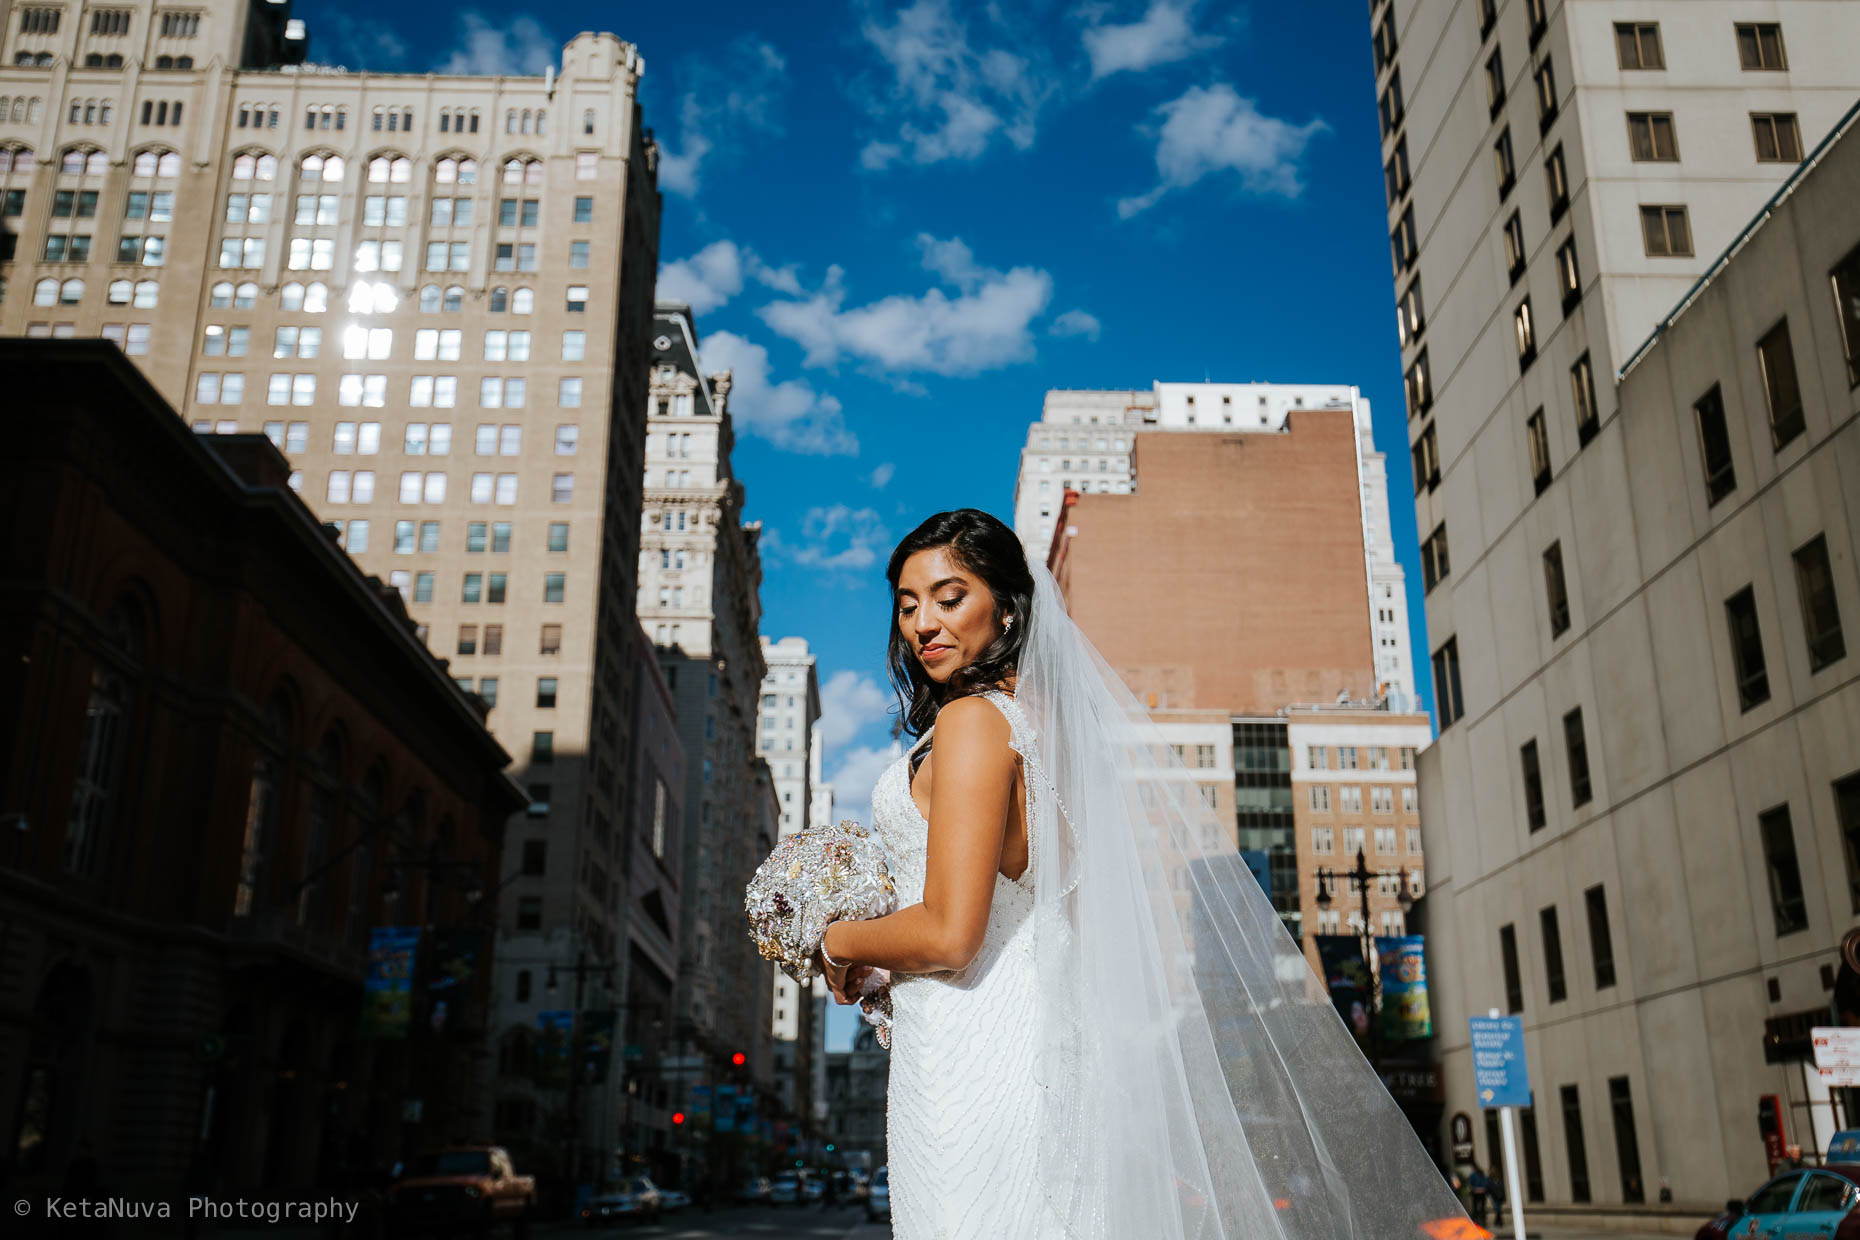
[963,1097]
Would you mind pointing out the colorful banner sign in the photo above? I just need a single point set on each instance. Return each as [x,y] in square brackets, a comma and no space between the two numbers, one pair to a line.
[597,1045]
[455,959]
[724,1119]
[1405,1012]
[387,987]
[557,1031]
[1347,978]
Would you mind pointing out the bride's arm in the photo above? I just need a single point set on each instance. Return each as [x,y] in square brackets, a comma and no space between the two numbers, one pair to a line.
[971,785]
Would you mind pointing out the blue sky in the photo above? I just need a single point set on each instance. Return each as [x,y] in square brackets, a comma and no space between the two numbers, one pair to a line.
[901,225]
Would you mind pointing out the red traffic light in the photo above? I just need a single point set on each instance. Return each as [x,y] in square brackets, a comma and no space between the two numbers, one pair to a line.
[739,1059]
[678,1117]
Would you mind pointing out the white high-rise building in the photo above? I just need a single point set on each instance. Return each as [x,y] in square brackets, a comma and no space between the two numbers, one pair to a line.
[787,741]
[1609,800]
[1085,441]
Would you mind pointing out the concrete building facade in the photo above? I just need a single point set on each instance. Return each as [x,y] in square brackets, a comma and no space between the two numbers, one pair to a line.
[390,275]
[790,709]
[1085,441]
[1639,799]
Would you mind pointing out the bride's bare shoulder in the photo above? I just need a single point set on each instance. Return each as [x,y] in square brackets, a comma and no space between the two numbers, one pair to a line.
[974,719]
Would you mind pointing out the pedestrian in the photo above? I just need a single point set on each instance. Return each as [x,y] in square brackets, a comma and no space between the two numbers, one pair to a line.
[1481,1186]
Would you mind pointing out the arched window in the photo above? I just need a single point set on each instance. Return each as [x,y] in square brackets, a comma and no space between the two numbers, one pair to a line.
[587,121]
[523,172]
[376,123]
[45,293]
[542,120]
[429,299]
[453,170]
[95,792]
[455,299]
[523,301]
[327,169]
[263,800]
[445,121]
[222,294]
[255,166]
[120,292]
[16,158]
[71,292]
[526,121]
[147,293]
[500,299]
[510,121]
[385,168]
[245,296]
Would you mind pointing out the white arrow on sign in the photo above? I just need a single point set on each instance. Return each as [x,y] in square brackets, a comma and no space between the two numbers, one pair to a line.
[1485,1095]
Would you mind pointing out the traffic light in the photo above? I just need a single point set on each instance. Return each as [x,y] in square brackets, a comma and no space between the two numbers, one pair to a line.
[829,1147]
[739,1059]
[678,1117]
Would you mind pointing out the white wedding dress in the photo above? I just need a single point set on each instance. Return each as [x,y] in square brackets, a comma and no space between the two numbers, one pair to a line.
[963,1100]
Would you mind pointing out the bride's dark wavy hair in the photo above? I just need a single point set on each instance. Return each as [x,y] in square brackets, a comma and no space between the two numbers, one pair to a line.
[980,544]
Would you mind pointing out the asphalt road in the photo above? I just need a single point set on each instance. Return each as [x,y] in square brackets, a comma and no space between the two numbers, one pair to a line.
[764,1222]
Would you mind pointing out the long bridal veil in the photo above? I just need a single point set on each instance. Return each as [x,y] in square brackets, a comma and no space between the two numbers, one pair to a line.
[1195,1080]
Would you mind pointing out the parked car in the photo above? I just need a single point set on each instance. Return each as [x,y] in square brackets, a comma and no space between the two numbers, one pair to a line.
[1819,1201]
[672,1199]
[636,1198]
[469,1188]
[878,1197]
[755,1191]
[815,1187]
[785,1190]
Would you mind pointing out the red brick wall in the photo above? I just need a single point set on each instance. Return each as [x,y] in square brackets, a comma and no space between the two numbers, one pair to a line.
[1234,577]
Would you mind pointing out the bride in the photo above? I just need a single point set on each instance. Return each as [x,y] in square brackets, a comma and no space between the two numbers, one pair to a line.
[1101,1029]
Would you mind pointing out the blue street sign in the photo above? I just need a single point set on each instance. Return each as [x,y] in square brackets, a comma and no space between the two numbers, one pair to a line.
[1500,1077]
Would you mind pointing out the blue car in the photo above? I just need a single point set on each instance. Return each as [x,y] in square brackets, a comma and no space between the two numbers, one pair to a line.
[1812,1202]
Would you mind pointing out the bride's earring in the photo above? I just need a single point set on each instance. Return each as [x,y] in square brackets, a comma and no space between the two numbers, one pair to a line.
[1007,623]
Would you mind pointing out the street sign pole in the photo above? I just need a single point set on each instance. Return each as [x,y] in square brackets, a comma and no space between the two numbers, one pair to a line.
[1514,1184]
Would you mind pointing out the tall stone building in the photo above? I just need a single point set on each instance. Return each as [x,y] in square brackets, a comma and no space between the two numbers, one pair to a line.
[345,262]
[700,577]
[1085,441]
[786,735]
[1635,557]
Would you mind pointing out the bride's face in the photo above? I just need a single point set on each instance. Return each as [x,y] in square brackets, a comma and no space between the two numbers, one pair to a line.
[946,613]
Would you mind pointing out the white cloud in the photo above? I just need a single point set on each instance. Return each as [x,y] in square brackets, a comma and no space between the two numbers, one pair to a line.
[1213,129]
[1163,34]
[985,326]
[717,273]
[949,98]
[849,703]
[1075,323]
[881,476]
[855,777]
[839,536]
[360,43]
[789,414]
[517,47]
[728,95]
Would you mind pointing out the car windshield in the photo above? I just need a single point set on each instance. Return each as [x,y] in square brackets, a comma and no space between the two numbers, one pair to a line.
[452,1162]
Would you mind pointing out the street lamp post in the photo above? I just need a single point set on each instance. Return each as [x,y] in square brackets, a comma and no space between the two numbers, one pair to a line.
[1359,877]
[582,969]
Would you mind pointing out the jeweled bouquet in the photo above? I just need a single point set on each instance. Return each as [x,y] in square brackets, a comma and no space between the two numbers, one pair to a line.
[812,879]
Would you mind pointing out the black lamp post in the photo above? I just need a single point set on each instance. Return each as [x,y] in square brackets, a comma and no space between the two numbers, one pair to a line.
[1360,877]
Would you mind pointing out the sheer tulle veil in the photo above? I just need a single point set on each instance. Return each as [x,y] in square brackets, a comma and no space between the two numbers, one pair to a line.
[1195,1079]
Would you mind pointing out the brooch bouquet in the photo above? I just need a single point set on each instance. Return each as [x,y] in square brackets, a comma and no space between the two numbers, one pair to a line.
[812,879]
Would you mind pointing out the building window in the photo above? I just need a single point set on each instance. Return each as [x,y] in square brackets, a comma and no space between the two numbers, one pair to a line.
[1319,756]
[1627,1143]
[1778,137]
[1402,243]
[1846,280]
[1410,318]
[1426,461]
[1508,956]
[1495,85]
[529,913]
[1666,231]
[542,748]
[1573,1142]
[468,639]
[1418,384]
[1582,394]
[545,692]
[1601,941]
[1389,106]
[1447,701]
[1715,446]
[1637,45]
[1652,138]
[1556,183]
[1504,164]
[1553,954]
[1760,46]
[1753,681]
[558,536]
[1568,275]
[1434,561]
[554,586]
[1556,590]
[1787,900]
[1776,355]
[1383,42]
[1320,798]
[551,642]
[1515,255]
[1537,435]
[1576,746]
[1821,616]
[1545,78]
[1395,174]
[1524,331]
[1534,816]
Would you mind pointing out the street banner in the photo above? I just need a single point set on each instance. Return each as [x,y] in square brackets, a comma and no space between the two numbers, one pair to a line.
[557,1031]
[1500,1076]
[1837,1056]
[724,1120]
[1403,976]
[455,959]
[387,988]
[700,1101]
[1347,978]
[597,1045]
